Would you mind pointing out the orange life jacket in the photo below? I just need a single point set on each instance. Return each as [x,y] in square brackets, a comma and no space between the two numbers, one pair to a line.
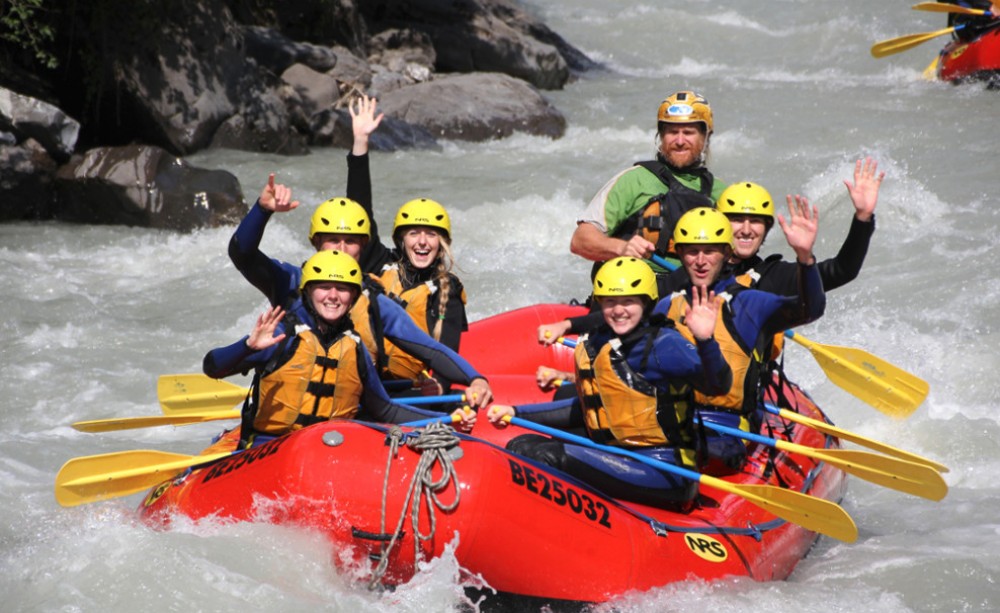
[314,384]
[621,407]
[747,363]
[390,361]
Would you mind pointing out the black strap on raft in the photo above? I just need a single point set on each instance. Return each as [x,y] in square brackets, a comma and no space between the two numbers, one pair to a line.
[249,411]
[781,399]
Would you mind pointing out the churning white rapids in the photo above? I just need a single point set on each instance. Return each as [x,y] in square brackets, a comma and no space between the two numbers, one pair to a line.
[92,315]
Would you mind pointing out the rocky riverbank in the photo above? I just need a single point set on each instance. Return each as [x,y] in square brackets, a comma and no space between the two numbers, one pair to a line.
[96,119]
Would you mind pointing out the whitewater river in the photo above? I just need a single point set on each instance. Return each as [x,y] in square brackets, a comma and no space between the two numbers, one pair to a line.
[92,315]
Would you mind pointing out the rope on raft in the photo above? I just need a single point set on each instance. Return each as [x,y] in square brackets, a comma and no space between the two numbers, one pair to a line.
[432,443]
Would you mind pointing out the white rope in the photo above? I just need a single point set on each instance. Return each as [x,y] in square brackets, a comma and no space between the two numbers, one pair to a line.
[432,443]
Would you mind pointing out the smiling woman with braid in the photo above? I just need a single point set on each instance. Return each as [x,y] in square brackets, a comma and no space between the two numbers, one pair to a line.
[418,270]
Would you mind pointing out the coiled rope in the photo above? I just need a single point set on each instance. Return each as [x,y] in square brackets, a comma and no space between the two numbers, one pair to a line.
[432,443]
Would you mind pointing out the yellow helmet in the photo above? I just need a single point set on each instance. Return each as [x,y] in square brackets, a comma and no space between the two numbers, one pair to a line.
[703,226]
[746,199]
[331,265]
[686,107]
[423,212]
[625,276]
[340,216]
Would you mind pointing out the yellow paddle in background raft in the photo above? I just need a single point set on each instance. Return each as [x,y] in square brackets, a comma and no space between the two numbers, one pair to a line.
[907,42]
[930,73]
[941,7]
[886,387]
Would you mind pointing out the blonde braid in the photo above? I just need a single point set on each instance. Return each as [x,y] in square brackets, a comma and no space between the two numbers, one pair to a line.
[445,263]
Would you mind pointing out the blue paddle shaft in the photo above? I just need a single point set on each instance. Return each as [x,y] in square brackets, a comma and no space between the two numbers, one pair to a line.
[586,442]
[662,263]
[415,400]
[420,423]
[763,440]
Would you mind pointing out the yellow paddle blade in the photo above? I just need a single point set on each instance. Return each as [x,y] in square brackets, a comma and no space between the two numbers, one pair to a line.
[811,513]
[882,385]
[909,477]
[847,435]
[112,475]
[129,423]
[930,73]
[197,393]
[941,7]
[903,43]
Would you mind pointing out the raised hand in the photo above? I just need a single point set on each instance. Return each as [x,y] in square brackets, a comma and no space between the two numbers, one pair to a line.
[702,314]
[864,191]
[276,198]
[801,228]
[262,335]
[363,122]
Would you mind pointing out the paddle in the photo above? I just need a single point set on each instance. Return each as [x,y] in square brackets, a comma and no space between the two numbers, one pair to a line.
[811,513]
[847,435]
[113,475]
[418,400]
[882,385]
[184,419]
[901,475]
[189,393]
[930,73]
[830,357]
[904,43]
[420,423]
[195,392]
[129,423]
[662,263]
[940,7]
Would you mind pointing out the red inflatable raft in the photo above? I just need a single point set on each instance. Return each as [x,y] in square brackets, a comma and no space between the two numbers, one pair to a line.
[525,529]
[976,60]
